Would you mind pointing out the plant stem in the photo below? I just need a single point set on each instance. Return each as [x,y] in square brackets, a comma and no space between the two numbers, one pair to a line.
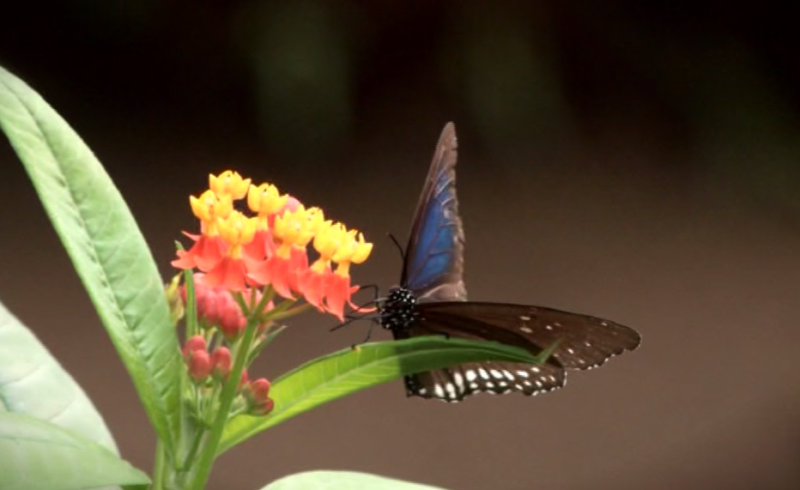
[202,468]
[159,470]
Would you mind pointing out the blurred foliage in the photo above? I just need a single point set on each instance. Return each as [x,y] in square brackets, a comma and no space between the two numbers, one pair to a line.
[302,72]
[710,88]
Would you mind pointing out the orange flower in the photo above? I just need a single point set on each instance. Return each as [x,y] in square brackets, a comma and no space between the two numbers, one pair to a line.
[237,231]
[209,248]
[334,243]
[292,230]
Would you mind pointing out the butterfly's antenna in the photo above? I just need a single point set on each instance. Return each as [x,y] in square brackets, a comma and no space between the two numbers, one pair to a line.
[399,248]
[375,288]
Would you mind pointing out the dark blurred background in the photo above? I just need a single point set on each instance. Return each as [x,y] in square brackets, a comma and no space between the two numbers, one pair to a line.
[633,160]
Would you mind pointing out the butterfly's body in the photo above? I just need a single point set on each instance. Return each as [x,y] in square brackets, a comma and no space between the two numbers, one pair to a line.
[432,299]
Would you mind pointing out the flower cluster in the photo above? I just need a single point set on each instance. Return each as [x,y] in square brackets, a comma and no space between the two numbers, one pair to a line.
[235,250]
[249,270]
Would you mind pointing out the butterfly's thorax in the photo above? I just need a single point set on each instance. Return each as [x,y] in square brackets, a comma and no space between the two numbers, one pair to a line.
[398,310]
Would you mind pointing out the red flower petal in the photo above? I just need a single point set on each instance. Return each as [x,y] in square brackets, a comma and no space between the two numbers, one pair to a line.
[228,273]
[205,254]
[338,293]
[274,271]
[299,264]
[313,286]
[260,248]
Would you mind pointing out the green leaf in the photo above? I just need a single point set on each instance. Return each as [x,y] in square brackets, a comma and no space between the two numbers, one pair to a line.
[33,383]
[342,480]
[347,371]
[39,455]
[105,245]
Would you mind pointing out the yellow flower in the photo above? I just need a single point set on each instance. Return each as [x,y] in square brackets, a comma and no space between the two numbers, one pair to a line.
[209,207]
[265,199]
[352,251]
[237,229]
[229,183]
[297,228]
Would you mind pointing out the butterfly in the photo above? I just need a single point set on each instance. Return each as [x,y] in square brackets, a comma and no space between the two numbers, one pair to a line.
[432,299]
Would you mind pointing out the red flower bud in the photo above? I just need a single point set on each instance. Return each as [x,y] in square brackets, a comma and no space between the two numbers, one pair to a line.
[244,380]
[194,343]
[259,390]
[258,397]
[221,362]
[263,408]
[231,322]
[199,365]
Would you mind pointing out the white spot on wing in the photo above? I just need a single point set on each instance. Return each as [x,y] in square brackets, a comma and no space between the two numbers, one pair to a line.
[459,380]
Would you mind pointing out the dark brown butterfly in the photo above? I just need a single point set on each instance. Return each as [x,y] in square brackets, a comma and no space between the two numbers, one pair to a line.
[432,299]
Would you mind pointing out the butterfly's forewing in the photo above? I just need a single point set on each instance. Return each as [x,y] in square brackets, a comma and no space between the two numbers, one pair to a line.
[435,253]
[584,342]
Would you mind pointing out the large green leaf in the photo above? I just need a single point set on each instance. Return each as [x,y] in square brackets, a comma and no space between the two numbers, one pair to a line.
[106,247]
[342,480]
[347,371]
[32,382]
[35,454]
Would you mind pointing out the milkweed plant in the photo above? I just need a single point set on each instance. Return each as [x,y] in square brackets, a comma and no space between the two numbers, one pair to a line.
[256,259]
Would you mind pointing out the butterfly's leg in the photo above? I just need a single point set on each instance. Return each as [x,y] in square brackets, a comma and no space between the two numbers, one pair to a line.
[366,339]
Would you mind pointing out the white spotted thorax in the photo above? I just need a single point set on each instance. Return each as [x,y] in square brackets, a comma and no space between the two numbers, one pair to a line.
[398,310]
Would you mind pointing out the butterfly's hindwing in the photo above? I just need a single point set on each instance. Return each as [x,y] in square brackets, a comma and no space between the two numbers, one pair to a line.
[496,378]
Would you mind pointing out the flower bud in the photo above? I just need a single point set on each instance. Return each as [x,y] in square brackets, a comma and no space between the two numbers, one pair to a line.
[199,365]
[231,322]
[208,307]
[260,389]
[175,294]
[221,362]
[258,398]
[262,409]
[244,380]
[194,343]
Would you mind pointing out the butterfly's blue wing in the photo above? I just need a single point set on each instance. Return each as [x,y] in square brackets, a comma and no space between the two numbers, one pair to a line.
[435,253]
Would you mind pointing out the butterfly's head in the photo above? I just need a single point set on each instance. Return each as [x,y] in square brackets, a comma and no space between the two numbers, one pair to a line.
[398,309]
